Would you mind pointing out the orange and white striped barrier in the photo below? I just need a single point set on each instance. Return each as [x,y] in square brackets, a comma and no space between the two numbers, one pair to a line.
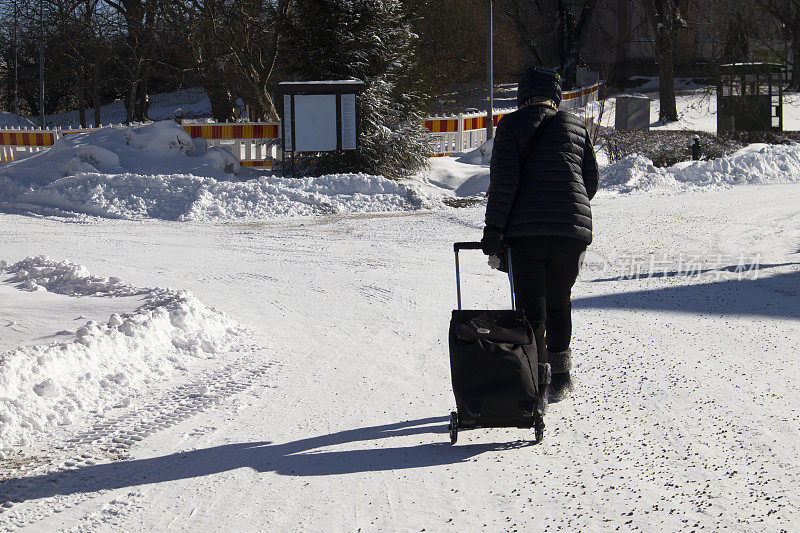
[64,133]
[27,138]
[255,143]
[14,141]
[267,130]
[577,98]
[258,163]
[468,131]
[245,140]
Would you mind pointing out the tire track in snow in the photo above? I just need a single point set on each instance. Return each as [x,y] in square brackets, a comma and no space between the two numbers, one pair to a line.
[25,479]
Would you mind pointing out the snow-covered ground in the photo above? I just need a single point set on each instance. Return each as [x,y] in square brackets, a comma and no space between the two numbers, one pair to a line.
[192,102]
[329,414]
[697,110]
[99,364]
[185,348]
[10,120]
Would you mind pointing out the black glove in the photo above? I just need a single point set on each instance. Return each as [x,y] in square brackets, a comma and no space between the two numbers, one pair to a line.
[492,242]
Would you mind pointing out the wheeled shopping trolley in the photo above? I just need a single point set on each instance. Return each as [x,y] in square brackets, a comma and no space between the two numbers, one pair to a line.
[498,377]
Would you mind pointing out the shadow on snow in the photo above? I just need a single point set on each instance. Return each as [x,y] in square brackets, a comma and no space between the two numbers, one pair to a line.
[776,296]
[297,458]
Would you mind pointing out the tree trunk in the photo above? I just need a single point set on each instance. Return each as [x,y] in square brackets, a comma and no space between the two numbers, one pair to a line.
[794,83]
[95,94]
[668,111]
[96,103]
[223,104]
[142,103]
[133,93]
[569,64]
[130,101]
[665,20]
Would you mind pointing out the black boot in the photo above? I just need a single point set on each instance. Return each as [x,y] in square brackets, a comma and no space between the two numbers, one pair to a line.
[544,384]
[560,382]
[560,387]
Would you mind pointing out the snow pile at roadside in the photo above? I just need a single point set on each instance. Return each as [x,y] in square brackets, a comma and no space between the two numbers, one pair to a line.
[43,274]
[754,164]
[103,365]
[188,197]
[274,196]
[158,171]
[151,149]
[466,176]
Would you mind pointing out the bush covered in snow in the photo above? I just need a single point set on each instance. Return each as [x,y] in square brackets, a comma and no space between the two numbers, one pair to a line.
[668,147]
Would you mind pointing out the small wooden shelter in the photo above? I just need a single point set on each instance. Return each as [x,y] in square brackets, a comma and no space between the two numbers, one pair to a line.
[750,97]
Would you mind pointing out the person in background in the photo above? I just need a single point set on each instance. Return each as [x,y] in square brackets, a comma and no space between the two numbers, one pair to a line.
[540,208]
[696,148]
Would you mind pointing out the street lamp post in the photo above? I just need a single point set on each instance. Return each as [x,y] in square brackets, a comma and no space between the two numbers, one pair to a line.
[41,63]
[489,73]
[16,61]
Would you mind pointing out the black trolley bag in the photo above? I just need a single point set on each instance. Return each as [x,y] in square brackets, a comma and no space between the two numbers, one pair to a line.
[496,372]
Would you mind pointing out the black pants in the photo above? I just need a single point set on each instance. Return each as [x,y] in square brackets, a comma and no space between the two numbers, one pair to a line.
[545,269]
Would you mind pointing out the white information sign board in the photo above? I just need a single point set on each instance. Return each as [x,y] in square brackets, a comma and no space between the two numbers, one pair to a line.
[320,116]
[314,122]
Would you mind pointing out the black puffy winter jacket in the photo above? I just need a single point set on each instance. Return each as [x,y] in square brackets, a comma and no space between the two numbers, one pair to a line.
[549,195]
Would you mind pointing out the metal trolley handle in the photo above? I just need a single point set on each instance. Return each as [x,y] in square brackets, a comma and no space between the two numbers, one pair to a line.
[477,246]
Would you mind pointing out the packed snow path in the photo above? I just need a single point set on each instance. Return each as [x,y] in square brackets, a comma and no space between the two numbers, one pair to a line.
[332,416]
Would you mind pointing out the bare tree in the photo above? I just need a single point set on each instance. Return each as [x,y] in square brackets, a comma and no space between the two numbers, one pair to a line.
[665,17]
[787,14]
[530,25]
[35,29]
[539,23]
[140,18]
[234,47]
[573,23]
[256,30]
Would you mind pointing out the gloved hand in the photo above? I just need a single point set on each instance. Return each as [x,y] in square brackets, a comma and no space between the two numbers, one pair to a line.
[498,262]
[492,242]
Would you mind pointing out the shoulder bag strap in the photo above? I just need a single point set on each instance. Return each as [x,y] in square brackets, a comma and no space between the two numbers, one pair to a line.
[527,150]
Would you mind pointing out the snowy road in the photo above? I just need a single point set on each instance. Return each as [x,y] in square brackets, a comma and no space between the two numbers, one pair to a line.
[330,416]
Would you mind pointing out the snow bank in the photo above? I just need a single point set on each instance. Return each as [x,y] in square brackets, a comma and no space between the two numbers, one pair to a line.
[151,149]
[62,277]
[158,171]
[467,175]
[103,365]
[754,164]
[187,197]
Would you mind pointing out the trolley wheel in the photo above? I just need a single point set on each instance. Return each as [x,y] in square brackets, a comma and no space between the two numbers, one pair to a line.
[452,427]
[538,427]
